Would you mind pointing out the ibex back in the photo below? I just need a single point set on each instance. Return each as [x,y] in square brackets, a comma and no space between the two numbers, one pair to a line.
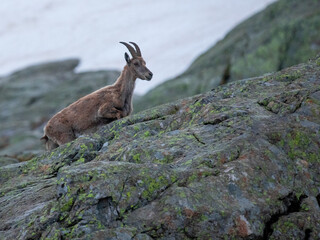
[100,107]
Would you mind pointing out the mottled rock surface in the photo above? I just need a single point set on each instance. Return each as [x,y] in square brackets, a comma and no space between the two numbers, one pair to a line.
[29,97]
[284,34]
[239,162]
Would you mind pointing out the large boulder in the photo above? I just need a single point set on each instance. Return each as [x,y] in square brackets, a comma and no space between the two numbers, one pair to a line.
[239,162]
[284,34]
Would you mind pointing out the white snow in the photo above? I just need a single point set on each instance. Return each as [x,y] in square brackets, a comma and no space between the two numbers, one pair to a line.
[171,33]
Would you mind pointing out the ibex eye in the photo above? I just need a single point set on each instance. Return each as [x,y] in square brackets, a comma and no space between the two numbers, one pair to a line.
[136,64]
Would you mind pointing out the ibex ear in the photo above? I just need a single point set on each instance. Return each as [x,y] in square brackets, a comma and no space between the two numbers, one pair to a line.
[127,58]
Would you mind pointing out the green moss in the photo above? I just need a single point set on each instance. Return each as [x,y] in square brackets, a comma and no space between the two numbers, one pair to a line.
[222,213]
[182,194]
[99,225]
[136,158]
[153,185]
[203,218]
[193,177]
[314,157]
[299,140]
[161,133]
[90,195]
[32,165]
[67,206]
[288,225]
[81,160]
[173,178]
[116,134]
[197,104]
[305,207]
[281,143]
[289,76]
[147,134]
[128,194]
[166,159]
[300,144]
[268,153]
[83,196]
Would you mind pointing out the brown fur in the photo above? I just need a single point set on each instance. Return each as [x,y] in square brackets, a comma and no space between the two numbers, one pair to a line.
[100,107]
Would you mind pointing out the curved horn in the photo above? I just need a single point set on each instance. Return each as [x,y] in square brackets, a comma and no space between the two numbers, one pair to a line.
[130,48]
[137,48]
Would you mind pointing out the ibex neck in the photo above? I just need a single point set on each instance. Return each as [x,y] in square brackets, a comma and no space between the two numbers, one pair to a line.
[126,83]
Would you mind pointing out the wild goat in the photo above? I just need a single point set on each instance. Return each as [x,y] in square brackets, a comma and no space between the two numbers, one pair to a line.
[100,107]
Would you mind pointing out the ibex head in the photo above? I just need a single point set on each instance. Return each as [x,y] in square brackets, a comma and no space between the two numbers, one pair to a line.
[136,63]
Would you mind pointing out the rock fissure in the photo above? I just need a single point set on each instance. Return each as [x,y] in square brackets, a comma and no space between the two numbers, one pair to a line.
[318,199]
[198,139]
[122,190]
[292,204]
[108,211]
[307,234]
[218,119]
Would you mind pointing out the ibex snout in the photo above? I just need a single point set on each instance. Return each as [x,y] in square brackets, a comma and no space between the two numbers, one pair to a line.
[149,76]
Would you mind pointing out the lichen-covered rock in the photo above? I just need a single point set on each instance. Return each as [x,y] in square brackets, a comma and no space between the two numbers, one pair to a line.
[282,35]
[239,162]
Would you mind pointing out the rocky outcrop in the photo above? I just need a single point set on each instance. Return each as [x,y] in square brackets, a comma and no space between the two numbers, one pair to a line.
[284,34]
[29,97]
[239,162]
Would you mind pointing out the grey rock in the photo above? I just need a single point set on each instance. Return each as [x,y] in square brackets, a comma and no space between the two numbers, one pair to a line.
[175,172]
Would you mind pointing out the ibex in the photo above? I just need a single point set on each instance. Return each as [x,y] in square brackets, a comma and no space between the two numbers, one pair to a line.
[100,107]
